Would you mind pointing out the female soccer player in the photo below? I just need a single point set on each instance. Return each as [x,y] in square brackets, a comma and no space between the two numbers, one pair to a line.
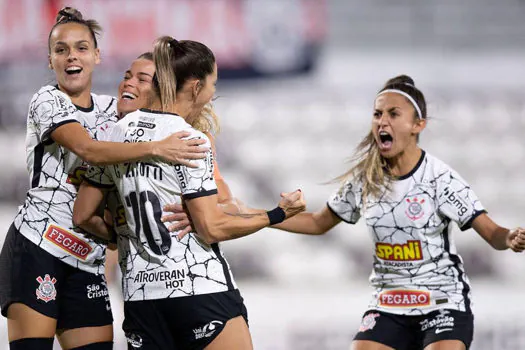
[409,200]
[51,276]
[178,293]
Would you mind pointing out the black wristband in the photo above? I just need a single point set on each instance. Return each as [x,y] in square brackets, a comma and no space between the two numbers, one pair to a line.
[276,215]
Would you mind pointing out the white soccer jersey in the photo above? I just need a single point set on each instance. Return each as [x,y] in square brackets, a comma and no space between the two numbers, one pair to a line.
[46,216]
[155,265]
[416,266]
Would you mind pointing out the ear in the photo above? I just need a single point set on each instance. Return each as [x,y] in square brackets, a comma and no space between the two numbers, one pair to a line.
[419,126]
[97,55]
[49,64]
[196,87]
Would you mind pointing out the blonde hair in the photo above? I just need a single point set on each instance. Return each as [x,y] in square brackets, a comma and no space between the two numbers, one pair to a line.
[207,121]
[165,80]
[370,168]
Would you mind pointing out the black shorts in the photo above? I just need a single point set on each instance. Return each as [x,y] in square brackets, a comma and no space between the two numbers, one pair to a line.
[180,323]
[33,277]
[416,332]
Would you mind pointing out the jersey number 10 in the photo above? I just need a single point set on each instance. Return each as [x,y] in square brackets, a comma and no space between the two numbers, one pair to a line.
[139,205]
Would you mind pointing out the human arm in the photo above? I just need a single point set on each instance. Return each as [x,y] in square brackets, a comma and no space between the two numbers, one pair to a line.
[213,225]
[498,237]
[85,211]
[172,148]
[308,223]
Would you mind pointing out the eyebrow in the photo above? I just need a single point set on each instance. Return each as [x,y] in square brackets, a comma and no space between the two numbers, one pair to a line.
[143,73]
[78,42]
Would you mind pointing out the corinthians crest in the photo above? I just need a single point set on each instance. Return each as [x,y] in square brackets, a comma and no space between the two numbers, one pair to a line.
[415,210]
[46,290]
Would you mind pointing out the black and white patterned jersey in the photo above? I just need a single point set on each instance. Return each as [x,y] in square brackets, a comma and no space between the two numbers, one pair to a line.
[155,265]
[45,218]
[416,267]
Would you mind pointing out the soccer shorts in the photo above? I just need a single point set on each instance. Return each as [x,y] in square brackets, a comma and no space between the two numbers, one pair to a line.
[416,332]
[190,322]
[33,277]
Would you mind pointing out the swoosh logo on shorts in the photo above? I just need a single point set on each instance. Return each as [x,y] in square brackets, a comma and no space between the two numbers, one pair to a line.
[440,330]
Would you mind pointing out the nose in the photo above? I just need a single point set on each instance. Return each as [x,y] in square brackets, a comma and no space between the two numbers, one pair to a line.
[72,56]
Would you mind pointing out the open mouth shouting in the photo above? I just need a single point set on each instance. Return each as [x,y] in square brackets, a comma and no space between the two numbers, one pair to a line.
[385,141]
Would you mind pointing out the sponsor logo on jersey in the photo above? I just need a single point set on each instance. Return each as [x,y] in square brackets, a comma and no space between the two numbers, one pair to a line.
[145,125]
[173,278]
[46,291]
[208,329]
[77,175]
[368,322]
[134,340]
[409,251]
[415,210]
[457,202]
[68,242]
[404,298]
[442,322]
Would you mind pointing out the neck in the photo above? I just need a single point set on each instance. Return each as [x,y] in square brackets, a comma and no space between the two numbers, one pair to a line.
[404,162]
[81,99]
[182,108]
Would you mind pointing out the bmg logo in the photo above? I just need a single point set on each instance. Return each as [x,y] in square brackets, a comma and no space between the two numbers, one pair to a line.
[453,199]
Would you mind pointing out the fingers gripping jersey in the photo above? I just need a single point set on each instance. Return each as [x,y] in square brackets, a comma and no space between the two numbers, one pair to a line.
[46,216]
[155,265]
[416,267]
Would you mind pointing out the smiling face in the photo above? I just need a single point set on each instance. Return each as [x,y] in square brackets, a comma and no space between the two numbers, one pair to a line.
[73,56]
[136,89]
[206,90]
[395,125]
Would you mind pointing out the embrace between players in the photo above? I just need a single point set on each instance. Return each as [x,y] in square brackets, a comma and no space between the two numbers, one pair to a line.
[140,171]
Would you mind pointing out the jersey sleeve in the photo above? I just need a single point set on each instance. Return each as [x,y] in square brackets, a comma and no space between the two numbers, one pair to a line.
[216,172]
[346,202]
[49,109]
[457,200]
[199,181]
[99,176]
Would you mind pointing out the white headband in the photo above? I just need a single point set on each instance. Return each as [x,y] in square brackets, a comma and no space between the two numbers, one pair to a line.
[396,91]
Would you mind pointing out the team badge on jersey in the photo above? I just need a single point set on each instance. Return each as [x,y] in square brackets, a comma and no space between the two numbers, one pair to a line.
[368,322]
[415,209]
[46,291]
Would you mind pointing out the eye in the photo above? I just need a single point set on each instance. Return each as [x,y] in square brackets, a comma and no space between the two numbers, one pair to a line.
[377,114]
[59,50]
[83,48]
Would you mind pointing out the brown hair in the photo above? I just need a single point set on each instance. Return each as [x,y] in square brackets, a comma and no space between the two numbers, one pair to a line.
[370,168]
[175,63]
[72,15]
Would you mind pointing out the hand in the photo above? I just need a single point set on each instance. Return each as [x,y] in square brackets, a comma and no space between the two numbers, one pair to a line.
[292,203]
[180,220]
[176,150]
[516,239]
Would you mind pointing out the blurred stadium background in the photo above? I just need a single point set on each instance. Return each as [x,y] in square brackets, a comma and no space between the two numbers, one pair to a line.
[297,83]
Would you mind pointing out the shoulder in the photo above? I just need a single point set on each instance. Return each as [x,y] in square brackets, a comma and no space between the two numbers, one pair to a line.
[105,103]
[50,93]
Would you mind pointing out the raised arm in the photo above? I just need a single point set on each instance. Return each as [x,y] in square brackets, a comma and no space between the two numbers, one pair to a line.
[76,139]
[214,225]
[307,223]
[498,237]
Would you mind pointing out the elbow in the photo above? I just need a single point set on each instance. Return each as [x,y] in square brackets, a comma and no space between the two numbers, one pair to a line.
[79,219]
[211,233]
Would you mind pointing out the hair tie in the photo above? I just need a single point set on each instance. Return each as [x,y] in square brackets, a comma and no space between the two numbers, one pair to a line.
[173,43]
